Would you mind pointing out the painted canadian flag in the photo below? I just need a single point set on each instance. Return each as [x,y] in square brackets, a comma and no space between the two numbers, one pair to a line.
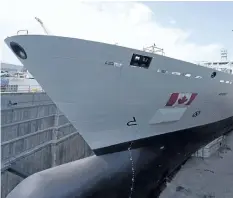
[181,99]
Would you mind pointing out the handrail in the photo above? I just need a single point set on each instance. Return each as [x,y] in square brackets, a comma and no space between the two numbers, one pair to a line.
[21,88]
[22,31]
[154,49]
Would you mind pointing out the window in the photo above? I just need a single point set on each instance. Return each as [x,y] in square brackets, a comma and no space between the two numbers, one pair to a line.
[140,61]
[187,75]
[164,71]
[176,73]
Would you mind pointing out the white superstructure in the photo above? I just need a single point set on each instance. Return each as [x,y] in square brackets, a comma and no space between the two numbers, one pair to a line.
[223,65]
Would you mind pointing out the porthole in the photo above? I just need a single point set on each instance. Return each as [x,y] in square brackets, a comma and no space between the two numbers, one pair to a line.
[213,74]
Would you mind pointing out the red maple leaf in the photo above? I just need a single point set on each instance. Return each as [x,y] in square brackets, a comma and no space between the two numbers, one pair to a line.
[182,100]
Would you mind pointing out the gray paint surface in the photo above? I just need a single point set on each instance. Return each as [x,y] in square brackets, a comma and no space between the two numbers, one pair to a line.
[99,99]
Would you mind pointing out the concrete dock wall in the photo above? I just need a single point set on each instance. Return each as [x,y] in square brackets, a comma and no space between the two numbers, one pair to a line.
[35,136]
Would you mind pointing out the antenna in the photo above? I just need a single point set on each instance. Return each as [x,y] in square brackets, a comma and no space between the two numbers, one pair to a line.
[42,25]
[223,55]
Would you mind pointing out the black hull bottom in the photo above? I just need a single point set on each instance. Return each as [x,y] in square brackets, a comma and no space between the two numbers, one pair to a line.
[171,139]
[114,175]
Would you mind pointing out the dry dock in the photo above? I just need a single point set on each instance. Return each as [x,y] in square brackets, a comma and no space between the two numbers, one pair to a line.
[35,136]
[205,177]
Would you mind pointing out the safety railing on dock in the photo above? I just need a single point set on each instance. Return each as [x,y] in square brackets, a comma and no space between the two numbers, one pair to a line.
[21,88]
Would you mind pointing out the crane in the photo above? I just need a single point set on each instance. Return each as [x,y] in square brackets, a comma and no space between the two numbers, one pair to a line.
[42,25]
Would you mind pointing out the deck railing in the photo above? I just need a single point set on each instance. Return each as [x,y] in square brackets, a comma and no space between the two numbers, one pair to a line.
[21,88]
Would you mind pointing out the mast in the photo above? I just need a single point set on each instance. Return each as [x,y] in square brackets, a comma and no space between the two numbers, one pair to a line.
[223,55]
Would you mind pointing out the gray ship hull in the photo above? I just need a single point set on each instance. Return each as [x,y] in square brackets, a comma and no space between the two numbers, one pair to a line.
[113,101]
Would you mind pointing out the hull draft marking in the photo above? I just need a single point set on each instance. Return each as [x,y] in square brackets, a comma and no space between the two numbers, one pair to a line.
[197,113]
[132,167]
[183,99]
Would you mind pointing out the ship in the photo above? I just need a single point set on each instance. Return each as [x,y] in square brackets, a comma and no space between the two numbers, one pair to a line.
[142,113]
[116,96]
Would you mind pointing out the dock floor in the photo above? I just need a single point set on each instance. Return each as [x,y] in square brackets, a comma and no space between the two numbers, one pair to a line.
[205,177]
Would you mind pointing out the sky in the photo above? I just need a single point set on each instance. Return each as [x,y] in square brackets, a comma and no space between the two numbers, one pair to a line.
[190,31]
